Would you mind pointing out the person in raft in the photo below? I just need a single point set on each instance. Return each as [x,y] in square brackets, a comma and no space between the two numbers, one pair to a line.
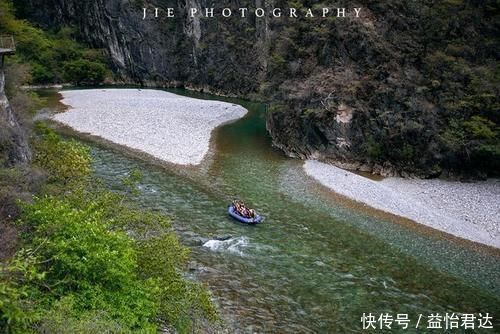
[243,210]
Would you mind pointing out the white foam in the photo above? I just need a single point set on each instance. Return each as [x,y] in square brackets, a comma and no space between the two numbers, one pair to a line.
[233,245]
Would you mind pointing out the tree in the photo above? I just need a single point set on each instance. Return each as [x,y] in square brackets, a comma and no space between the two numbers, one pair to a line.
[84,72]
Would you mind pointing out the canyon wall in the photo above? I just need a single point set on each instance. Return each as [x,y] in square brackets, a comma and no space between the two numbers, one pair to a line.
[405,89]
[14,147]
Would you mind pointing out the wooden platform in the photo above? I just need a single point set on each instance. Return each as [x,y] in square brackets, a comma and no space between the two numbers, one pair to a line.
[7,52]
[7,47]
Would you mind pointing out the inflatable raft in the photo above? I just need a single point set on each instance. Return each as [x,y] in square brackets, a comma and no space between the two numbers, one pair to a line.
[233,213]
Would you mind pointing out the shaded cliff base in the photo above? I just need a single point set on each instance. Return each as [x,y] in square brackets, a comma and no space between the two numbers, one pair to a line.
[466,210]
[13,142]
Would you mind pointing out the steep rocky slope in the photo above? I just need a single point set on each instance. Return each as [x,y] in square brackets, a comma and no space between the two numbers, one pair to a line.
[407,88]
[14,148]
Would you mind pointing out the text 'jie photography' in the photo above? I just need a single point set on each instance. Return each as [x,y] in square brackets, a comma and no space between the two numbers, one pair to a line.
[243,12]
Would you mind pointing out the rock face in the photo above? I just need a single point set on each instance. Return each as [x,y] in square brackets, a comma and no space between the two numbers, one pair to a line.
[13,144]
[391,91]
[180,51]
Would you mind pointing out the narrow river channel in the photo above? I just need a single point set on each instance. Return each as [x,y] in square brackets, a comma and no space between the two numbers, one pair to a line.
[316,264]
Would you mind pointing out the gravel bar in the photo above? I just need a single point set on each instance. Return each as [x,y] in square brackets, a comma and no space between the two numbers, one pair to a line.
[170,127]
[467,210]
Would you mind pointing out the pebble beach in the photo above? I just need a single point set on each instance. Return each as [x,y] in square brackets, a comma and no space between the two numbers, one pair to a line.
[178,129]
[467,210]
[167,126]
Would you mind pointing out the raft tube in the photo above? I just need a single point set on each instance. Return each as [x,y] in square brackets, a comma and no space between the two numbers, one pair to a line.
[233,213]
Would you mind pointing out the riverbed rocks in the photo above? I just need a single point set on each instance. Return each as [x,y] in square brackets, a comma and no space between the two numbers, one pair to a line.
[407,73]
[166,126]
[467,210]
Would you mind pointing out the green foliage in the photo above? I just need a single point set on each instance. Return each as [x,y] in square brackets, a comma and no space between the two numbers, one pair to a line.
[15,76]
[474,142]
[466,70]
[41,73]
[480,128]
[373,149]
[51,55]
[93,263]
[407,152]
[277,63]
[132,180]
[88,261]
[18,281]
[91,272]
[84,72]
[65,160]
[180,300]
[63,318]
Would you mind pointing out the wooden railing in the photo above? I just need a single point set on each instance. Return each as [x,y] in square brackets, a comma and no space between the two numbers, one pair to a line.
[7,48]
[7,43]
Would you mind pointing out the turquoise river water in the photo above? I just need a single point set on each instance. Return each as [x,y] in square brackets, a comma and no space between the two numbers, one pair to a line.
[317,263]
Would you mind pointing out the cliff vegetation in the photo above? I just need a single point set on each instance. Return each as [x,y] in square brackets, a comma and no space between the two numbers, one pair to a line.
[408,88]
[51,57]
[76,257]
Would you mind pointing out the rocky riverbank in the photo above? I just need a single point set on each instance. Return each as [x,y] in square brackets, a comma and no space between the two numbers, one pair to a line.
[167,126]
[466,210]
[405,101]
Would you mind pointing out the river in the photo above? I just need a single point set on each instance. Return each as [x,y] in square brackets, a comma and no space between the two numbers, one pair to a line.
[318,262]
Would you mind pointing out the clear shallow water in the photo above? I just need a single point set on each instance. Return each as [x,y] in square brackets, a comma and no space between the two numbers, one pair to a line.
[315,264]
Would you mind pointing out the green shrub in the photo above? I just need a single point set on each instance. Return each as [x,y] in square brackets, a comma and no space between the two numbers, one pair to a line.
[85,259]
[49,53]
[83,273]
[277,63]
[180,300]
[19,279]
[84,72]
[65,160]
[373,149]
[480,127]
[91,262]
[62,318]
[41,74]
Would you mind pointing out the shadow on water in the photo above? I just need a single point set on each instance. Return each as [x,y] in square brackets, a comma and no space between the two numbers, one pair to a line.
[314,265]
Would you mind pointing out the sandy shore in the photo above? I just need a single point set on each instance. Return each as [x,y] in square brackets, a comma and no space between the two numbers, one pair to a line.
[467,210]
[170,127]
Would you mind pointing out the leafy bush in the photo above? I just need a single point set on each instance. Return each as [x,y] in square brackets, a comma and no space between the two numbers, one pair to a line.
[84,72]
[42,74]
[62,318]
[48,53]
[18,281]
[480,127]
[65,160]
[473,142]
[373,149]
[88,261]
[91,276]
[91,262]
[181,301]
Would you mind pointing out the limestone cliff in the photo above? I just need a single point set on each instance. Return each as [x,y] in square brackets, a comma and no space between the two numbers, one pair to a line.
[14,148]
[406,88]
[180,51]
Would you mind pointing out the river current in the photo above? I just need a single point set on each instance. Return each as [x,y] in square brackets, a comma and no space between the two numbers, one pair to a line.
[318,262]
